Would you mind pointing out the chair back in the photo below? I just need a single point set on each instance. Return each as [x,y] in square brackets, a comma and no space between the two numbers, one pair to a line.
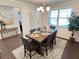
[38,29]
[54,35]
[32,30]
[25,43]
[49,39]
[52,27]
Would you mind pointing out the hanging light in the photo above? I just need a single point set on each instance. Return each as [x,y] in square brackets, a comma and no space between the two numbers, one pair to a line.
[40,9]
[43,8]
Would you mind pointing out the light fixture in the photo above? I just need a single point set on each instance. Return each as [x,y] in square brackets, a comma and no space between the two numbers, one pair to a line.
[43,8]
[47,8]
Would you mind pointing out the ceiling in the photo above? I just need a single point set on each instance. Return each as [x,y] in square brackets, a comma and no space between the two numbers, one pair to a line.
[47,2]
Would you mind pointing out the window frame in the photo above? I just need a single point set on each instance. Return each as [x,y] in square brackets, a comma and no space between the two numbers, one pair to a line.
[58,17]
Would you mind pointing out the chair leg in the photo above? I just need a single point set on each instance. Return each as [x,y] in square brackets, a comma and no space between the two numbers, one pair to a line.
[55,42]
[46,51]
[30,55]
[51,45]
[24,52]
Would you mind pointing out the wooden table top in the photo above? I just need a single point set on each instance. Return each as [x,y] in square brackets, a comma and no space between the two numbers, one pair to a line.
[39,37]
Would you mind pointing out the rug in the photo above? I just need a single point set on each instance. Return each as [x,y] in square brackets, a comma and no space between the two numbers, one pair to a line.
[56,52]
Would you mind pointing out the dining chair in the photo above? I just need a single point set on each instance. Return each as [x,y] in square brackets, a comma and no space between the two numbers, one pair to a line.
[52,27]
[47,44]
[29,47]
[32,30]
[53,42]
[54,37]
[38,29]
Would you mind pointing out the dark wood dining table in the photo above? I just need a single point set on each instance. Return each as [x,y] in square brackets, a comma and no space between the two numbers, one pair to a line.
[39,37]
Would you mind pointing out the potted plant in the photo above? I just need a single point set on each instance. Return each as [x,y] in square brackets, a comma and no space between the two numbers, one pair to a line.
[73,24]
[2,24]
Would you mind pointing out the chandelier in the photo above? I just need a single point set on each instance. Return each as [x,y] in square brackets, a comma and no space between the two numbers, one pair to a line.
[43,8]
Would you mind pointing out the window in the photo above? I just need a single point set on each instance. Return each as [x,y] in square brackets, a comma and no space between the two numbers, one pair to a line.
[53,17]
[59,17]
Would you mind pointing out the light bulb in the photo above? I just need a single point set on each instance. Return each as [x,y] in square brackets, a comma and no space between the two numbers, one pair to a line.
[41,7]
[47,8]
[42,10]
[38,9]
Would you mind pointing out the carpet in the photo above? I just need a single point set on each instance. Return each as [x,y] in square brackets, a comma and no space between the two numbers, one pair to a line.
[56,52]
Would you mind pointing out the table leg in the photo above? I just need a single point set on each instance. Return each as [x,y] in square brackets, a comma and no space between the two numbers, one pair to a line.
[39,50]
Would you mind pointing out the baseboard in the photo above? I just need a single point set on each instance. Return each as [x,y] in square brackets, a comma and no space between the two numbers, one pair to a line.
[62,38]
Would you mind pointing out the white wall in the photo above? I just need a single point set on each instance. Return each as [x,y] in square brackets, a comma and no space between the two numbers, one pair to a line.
[25,9]
[35,19]
[44,19]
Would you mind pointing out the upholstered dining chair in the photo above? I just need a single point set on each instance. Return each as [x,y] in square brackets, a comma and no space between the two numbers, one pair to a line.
[29,47]
[52,27]
[47,44]
[54,37]
[53,42]
[38,29]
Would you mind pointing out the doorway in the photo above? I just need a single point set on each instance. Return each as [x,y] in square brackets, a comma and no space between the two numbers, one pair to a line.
[20,20]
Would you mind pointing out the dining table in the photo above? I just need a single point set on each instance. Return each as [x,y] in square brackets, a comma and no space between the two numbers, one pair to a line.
[39,37]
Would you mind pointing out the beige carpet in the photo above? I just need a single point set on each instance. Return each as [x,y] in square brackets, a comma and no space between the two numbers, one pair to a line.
[56,53]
